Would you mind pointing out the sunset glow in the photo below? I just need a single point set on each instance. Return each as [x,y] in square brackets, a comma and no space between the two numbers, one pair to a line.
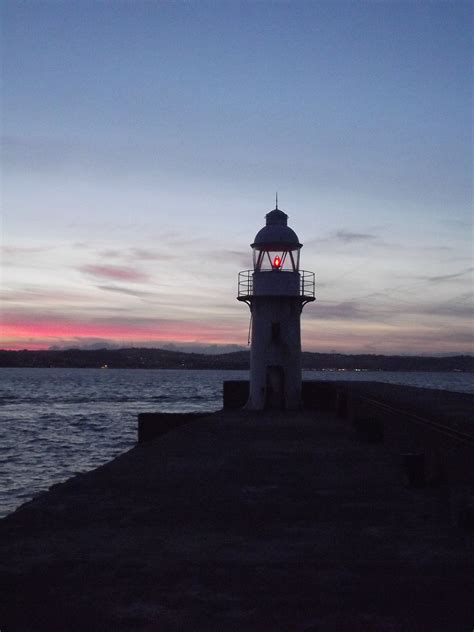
[19,334]
[135,177]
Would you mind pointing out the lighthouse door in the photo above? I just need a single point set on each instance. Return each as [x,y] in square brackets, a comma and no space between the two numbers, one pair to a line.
[275,387]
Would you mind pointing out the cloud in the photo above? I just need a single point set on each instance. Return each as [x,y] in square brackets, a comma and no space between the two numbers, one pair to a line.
[448,277]
[119,273]
[236,257]
[345,236]
[21,255]
[22,250]
[386,311]
[42,295]
[439,249]
[349,237]
[356,338]
[85,343]
[196,347]
[125,290]
[456,308]
[453,311]
[141,254]
[346,310]
[148,255]
[112,254]
[188,347]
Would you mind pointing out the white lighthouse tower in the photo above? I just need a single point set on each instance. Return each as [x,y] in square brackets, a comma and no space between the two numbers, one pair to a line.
[276,291]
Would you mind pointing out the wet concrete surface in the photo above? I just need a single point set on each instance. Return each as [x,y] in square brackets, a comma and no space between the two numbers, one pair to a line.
[240,521]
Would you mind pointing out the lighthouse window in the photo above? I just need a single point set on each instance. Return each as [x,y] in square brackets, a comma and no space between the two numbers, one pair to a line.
[276,332]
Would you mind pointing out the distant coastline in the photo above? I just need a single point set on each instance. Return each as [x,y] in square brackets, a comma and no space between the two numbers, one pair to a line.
[145,358]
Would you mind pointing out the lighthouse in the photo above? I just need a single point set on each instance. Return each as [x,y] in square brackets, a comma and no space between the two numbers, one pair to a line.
[276,290]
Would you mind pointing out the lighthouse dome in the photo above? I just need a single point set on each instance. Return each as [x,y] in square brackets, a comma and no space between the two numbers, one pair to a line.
[276,234]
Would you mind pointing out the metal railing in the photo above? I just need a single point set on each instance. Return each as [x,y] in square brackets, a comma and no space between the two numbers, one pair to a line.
[245,287]
[307,283]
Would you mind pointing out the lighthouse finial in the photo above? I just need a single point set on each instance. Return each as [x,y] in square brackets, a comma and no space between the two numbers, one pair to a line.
[276,200]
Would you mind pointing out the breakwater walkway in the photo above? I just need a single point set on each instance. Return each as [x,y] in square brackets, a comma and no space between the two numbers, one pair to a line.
[239,521]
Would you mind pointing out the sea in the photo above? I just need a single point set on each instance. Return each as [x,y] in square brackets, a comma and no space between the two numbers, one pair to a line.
[55,423]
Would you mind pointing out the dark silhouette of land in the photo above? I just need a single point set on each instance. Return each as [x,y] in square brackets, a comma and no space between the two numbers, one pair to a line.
[136,358]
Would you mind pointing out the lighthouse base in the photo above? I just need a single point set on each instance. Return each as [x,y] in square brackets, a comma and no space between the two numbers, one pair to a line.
[274,391]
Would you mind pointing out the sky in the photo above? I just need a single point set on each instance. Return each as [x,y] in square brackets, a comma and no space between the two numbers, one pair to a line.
[143,143]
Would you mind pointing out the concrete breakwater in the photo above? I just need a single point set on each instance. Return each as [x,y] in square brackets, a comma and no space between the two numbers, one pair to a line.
[245,521]
[432,431]
[429,432]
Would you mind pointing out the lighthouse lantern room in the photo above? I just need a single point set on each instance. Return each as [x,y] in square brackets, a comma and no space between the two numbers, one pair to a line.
[276,291]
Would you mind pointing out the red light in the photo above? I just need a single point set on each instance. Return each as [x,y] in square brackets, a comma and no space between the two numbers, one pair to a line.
[276,262]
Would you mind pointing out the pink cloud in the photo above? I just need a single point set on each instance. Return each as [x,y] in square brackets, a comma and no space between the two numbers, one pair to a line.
[119,273]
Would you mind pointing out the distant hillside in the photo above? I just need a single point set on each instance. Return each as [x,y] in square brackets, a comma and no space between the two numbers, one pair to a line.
[133,358]
[165,359]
